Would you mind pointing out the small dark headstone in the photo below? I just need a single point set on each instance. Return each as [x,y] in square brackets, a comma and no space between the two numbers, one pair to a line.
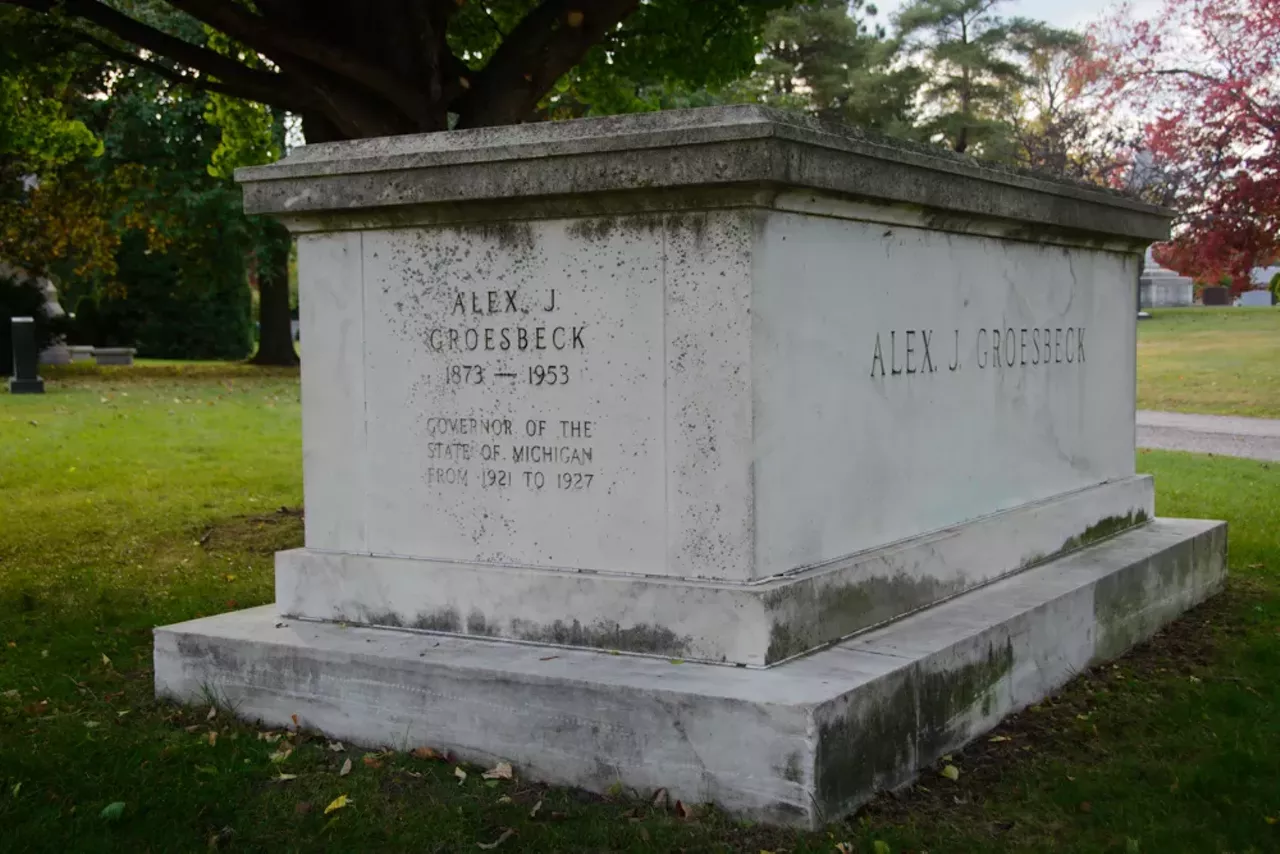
[1216,295]
[25,380]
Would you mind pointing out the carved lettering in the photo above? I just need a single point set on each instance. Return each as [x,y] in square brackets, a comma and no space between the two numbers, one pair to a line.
[911,353]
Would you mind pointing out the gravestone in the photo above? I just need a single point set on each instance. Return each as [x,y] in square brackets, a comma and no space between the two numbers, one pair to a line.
[25,380]
[1160,287]
[713,450]
[1256,298]
[1216,295]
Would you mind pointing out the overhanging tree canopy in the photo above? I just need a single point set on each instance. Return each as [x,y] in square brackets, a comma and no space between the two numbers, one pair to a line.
[353,68]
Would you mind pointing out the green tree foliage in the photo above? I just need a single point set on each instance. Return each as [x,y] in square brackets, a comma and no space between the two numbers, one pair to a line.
[357,69]
[971,56]
[830,58]
[180,289]
[252,134]
[51,216]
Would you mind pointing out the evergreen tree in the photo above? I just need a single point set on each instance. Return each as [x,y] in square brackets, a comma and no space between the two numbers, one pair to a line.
[830,58]
[972,58]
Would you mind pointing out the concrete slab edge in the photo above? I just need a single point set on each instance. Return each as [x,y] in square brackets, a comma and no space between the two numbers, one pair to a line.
[798,744]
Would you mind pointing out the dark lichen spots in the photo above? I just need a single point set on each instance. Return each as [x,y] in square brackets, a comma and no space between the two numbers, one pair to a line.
[807,616]
[381,618]
[793,770]
[601,228]
[644,638]
[444,620]
[510,236]
[478,625]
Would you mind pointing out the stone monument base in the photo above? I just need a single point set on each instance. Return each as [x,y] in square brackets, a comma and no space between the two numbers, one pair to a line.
[800,743]
[26,386]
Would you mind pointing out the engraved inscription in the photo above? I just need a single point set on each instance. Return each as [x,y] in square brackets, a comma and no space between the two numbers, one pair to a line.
[499,453]
[905,352]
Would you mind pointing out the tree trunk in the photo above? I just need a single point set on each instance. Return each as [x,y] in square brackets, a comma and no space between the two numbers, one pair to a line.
[275,328]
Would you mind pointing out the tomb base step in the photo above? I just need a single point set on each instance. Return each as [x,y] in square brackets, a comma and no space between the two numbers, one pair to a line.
[799,744]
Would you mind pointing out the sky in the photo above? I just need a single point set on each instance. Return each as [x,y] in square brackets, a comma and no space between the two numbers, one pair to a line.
[1059,13]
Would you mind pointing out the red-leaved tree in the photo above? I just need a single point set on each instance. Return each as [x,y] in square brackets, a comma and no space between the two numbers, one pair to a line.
[1203,77]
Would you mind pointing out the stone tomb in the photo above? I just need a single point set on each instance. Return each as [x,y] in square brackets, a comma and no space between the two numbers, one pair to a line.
[833,438]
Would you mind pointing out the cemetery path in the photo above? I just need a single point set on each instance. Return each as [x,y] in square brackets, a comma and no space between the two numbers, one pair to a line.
[1232,436]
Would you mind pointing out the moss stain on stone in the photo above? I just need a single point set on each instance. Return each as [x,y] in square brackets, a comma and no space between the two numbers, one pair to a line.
[1131,605]
[443,620]
[644,638]
[808,616]
[907,722]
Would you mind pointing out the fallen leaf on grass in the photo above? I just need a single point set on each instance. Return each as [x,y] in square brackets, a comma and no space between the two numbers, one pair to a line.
[533,812]
[489,846]
[17,787]
[371,761]
[269,737]
[424,753]
[461,775]
[1269,819]
[660,799]
[340,802]
[112,811]
[844,848]
[996,739]
[506,799]
[213,713]
[501,771]
[951,772]
[336,746]
[284,778]
[213,739]
[346,768]
[106,662]
[281,755]
[92,724]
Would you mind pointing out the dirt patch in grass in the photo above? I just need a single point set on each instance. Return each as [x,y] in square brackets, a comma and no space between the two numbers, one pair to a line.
[263,534]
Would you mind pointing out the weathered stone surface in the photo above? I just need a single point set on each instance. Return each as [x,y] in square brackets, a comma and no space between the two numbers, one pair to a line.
[800,743]
[755,624]
[780,364]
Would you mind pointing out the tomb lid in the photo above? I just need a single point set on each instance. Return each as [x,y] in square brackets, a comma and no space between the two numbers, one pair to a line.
[744,146]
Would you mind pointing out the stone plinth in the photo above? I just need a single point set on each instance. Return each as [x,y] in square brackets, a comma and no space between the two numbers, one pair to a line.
[711,385]
[1160,287]
[720,385]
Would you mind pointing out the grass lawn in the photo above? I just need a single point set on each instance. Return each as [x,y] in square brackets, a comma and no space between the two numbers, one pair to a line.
[1216,360]
[139,497]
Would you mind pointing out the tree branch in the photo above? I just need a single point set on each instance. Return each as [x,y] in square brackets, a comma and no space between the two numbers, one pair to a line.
[280,43]
[547,42]
[176,76]
[149,38]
